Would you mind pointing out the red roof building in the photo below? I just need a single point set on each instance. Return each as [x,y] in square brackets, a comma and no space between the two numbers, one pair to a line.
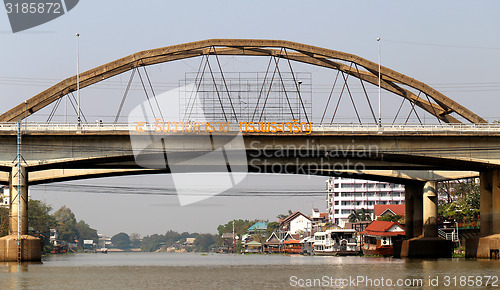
[379,237]
[387,209]
[384,228]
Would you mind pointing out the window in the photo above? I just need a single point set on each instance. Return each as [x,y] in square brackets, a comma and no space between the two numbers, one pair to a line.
[358,194]
[370,194]
[336,203]
[346,203]
[345,194]
[370,203]
[336,211]
[370,185]
[346,185]
[336,185]
[346,211]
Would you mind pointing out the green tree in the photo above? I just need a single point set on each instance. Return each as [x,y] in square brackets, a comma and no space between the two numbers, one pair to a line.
[272,227]
[66,225]
[359,216]
[151,243]
[85,232]
[205,242]
[4,221]
[40,222]
[240,227]
[391,218]
[121,241]
[284,215]
[464,207]
[135,240]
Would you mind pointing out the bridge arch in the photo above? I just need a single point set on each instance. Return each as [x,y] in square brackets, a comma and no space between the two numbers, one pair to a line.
[390,80]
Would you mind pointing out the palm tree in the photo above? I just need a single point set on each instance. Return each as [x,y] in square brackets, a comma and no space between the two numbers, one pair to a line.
[359,216]
[353,217]
[364,215]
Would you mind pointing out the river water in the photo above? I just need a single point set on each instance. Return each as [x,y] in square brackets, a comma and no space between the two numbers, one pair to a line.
[225,271]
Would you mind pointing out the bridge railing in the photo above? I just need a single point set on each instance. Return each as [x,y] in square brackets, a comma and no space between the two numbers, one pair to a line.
[31,127]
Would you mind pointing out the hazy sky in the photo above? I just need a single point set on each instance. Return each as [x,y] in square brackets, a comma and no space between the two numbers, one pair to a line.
[453,46]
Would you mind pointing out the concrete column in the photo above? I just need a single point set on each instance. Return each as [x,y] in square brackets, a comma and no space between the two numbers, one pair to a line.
[409,203]
[430,211]
[17,192]
[418,211]
[28,248]
[486,180]
[495,202]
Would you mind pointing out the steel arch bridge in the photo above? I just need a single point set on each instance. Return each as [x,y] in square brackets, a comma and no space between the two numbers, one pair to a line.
[392,81]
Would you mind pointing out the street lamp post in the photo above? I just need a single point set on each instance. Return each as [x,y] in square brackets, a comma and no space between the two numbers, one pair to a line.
[78,74]
[379,90]
[300,82]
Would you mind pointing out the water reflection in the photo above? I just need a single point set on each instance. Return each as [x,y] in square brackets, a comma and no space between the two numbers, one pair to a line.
[188,270]
[13,274]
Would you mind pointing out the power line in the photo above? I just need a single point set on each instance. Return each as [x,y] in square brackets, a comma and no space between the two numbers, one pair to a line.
[171,191]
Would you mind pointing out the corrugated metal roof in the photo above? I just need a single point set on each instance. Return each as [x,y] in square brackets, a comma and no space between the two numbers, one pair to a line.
[258,226]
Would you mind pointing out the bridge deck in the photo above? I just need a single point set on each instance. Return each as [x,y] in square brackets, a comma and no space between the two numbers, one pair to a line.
[320,129]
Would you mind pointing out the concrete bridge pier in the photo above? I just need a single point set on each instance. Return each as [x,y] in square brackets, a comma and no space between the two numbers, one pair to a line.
[487,245]
[430,210]
[27,248]
[421,211]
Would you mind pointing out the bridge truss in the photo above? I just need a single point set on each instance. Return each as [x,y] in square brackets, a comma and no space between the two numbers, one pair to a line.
[414,92]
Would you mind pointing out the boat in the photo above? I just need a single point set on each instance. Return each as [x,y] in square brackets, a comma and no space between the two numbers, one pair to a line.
[59,249]
[292,247]
[336,242]
[104,250]
[379,237]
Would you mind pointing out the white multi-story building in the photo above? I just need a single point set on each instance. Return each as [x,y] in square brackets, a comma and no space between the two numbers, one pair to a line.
[4,196]
[346,195]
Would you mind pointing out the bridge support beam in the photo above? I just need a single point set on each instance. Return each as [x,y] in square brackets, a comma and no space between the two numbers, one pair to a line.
[487,244]
[422,239]
[18,245]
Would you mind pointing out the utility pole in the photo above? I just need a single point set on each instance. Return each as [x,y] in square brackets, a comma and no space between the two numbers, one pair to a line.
[379,90]
[19,209]
[234,248]
[300,82]
[78,74]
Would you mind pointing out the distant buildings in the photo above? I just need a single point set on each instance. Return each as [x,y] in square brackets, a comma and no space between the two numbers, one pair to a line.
[258,228]
[345,195]
[4,196]
[296,223]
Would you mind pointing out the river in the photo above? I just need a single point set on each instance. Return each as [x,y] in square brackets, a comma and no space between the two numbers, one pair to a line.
[223,271]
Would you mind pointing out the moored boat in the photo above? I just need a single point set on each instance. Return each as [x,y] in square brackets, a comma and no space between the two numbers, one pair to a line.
[379,236]
[336,242]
